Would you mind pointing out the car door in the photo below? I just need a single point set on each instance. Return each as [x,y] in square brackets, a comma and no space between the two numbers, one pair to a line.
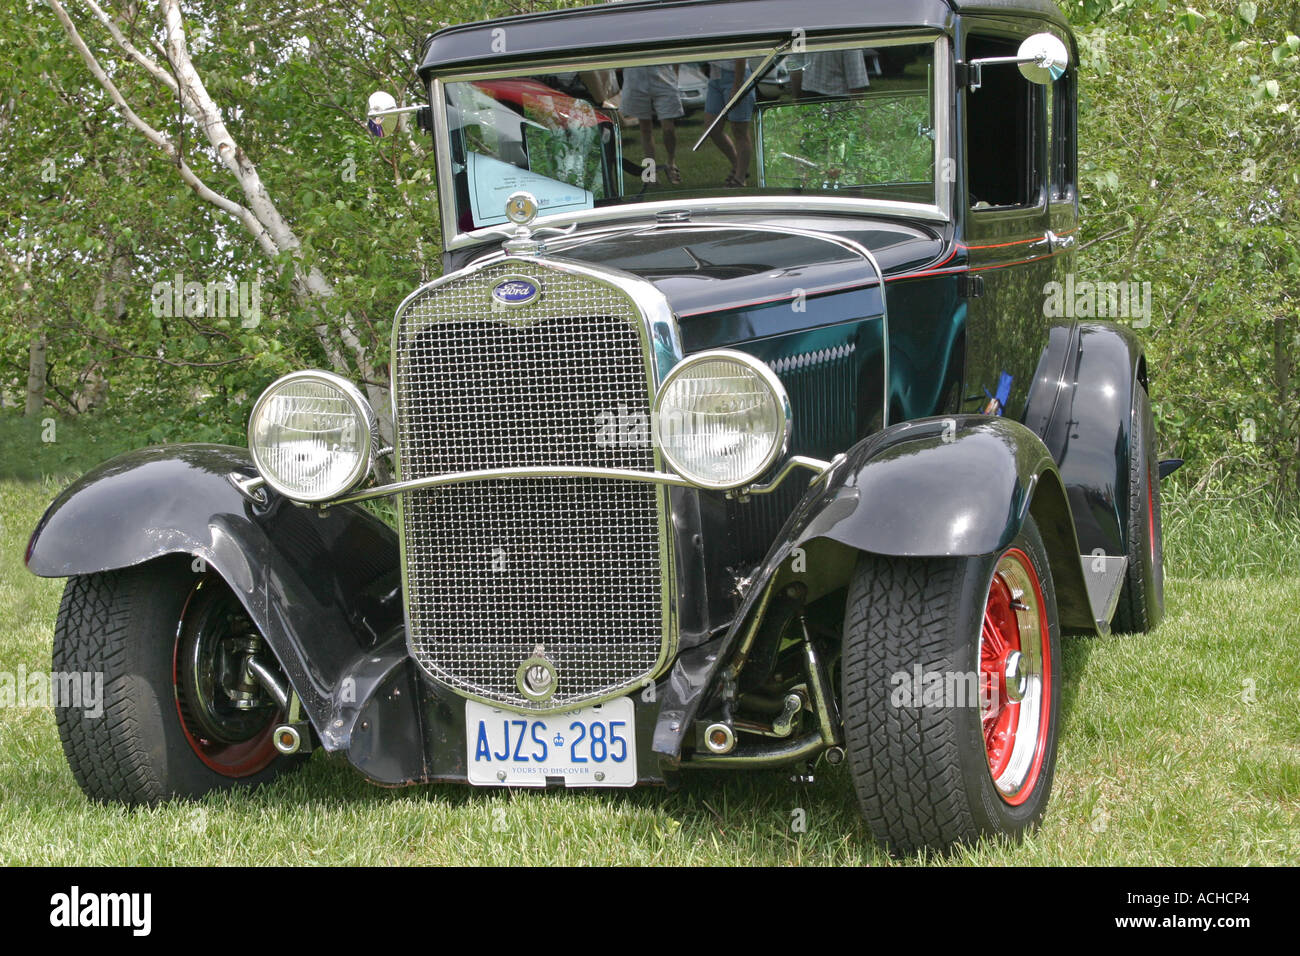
[1010,246]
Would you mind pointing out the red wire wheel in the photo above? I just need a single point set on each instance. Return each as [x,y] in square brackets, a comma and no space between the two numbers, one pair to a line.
[1015,661]
[226,722]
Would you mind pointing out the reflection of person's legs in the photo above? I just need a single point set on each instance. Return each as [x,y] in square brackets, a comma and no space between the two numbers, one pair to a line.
[670,141]
[648,138]
[744,150]
[722,140]
[719,91]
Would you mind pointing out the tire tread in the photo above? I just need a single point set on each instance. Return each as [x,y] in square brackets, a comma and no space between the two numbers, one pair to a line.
[107,755]
[121,624]
[903,760]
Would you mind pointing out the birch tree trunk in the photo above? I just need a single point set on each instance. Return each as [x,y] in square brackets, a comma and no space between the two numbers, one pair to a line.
[257,213]
[37,361]
[36,366]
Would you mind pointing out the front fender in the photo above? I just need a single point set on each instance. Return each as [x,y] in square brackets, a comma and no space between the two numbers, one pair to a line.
[323,587]
[940,487]
[958,487]
[929,488]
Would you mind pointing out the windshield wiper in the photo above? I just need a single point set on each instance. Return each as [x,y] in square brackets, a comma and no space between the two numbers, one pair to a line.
[741,93]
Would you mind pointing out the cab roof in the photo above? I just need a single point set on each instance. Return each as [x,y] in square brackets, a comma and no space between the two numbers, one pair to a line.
[674,24]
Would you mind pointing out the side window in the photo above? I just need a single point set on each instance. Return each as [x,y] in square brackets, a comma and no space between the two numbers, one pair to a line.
[1005,131]
[1063,124]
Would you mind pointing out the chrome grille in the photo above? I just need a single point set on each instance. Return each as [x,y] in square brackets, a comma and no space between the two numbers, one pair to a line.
[494,569]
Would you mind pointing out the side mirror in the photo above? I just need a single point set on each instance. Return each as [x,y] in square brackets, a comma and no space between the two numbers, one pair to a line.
[1043,58]
[382,113]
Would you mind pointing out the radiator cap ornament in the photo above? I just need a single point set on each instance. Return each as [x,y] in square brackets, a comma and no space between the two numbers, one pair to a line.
[521,208]
[536,677]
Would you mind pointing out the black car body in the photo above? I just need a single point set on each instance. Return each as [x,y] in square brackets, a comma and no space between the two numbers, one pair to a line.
[946,441]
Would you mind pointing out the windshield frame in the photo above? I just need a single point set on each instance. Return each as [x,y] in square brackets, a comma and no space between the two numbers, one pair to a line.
[940,210]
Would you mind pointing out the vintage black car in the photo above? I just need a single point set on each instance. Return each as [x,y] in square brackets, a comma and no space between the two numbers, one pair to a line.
[770,453]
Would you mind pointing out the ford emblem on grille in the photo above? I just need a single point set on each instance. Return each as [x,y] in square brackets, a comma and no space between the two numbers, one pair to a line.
[515,291]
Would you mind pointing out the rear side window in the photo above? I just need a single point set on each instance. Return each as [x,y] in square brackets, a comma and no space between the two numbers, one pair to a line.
[1005,131]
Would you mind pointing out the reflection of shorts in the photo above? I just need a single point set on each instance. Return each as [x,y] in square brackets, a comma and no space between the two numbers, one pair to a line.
[720,91]
[647,95]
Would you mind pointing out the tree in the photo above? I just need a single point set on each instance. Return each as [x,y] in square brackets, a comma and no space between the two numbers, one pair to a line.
[1190,168]
[258,212]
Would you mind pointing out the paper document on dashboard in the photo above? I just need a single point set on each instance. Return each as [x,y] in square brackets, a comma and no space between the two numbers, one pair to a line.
[492,182]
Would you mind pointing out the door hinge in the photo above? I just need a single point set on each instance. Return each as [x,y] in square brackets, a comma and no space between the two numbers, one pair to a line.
[970,285]
[969,76]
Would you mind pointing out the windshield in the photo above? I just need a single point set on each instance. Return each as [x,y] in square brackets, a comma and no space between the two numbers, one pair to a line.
[849,122]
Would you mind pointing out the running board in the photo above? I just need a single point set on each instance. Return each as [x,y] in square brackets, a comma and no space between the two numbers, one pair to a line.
[1104,576]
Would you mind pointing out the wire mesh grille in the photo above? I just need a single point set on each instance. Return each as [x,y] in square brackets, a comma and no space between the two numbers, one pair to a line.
[496,568]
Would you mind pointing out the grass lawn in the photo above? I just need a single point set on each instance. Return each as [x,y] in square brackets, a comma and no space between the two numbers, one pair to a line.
[1182,747]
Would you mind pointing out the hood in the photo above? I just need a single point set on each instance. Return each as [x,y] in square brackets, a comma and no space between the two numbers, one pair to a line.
[722,266]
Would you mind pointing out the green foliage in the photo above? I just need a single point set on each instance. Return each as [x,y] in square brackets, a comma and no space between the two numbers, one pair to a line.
[869,142]
[61,447]
[1190,171]
[570,155]
[1215,533]
[1190,175]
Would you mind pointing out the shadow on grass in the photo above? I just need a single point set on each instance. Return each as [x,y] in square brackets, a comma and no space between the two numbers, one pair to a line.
[1076,649]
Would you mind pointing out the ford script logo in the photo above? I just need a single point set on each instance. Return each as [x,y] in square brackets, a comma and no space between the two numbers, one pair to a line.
[515,291]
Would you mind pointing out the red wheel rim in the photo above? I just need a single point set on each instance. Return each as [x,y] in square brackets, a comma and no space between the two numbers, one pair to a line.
[1015,677]
[239,759]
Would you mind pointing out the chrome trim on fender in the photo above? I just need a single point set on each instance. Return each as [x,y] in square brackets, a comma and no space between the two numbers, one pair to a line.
[254,489]
[794,461]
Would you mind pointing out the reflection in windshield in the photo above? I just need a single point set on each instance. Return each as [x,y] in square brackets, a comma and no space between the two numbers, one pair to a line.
[855,122]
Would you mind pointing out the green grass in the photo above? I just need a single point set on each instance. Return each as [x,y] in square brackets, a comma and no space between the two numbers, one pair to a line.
[1165,758]
[1217,534]
[32,449]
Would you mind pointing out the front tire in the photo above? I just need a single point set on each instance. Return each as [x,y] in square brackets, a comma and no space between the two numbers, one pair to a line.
[931,766]
[165,641]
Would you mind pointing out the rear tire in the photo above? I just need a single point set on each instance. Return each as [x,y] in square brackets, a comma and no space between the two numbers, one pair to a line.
[924,763]
[134,627]
[1142,601]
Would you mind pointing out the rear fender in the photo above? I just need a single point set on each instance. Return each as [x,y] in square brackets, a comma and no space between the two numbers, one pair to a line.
[1084,415]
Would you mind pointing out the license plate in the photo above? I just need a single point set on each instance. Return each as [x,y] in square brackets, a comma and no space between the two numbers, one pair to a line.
[590,747]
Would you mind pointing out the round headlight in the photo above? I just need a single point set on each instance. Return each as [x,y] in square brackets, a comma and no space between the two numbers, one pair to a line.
[310,436]
[721,419]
